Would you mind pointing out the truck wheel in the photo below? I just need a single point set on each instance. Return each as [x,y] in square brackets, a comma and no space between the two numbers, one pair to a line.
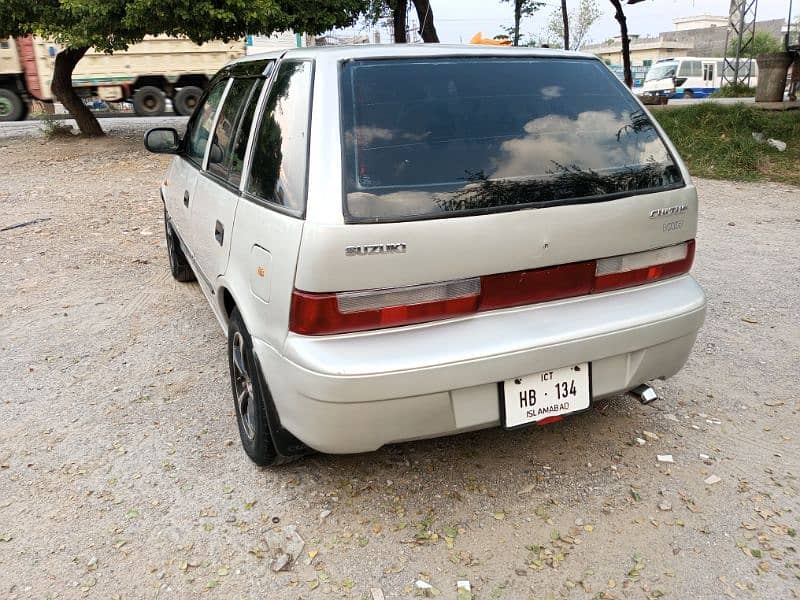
[186,100]
[688,94]
[12,108]
[149,101]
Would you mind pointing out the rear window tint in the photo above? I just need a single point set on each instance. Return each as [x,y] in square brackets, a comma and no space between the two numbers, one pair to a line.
[280,148]
[433,137]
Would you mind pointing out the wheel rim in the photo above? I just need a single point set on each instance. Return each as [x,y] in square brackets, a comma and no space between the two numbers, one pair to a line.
[5,107]
[150,102]
[191,102]
[243,387]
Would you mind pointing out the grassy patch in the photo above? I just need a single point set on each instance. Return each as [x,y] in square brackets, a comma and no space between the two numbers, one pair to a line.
[54,128]
[736,90]
[717,141]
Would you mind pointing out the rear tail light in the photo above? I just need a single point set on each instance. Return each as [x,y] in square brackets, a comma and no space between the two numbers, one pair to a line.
[643,267]
[345,312]
[319,314]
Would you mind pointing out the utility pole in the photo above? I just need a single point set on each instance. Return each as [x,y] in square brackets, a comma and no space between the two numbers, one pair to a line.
[737,66]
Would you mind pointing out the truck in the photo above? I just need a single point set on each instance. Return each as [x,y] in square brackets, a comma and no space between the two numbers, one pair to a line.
[146,74]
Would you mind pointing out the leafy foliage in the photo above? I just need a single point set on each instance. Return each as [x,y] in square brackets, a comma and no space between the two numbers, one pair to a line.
[110,25]
[763,43]
[522,8]
[581,20]
[114,24]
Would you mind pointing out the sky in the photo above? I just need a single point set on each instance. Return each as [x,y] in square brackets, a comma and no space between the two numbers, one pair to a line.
[457,20]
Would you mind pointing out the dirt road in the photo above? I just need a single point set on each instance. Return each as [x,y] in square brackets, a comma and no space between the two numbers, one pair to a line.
[121,473]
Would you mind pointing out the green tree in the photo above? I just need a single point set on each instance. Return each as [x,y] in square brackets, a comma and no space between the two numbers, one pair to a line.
[762,42]
[522,8]
[570,30]
[395,11]
[111,25]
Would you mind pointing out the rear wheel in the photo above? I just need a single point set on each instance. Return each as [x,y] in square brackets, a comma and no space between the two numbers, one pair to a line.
[149,101]
[178,265]
[12,107]
[186,100]
[249,398]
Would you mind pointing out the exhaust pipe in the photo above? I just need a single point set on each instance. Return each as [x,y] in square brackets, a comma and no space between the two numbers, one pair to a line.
[644,394]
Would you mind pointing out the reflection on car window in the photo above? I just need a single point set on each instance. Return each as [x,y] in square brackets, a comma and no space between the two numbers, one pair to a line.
[435,136]
[278,168]
[220,156]
[200,129]
[243,135]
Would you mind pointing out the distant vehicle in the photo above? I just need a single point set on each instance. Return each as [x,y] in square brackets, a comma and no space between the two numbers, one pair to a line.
[147,74]
[689,77]
[415,240]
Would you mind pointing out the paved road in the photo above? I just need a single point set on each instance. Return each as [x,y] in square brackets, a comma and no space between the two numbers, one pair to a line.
[125,125]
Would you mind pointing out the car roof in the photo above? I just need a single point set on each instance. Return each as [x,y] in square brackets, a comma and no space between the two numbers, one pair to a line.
[361,51]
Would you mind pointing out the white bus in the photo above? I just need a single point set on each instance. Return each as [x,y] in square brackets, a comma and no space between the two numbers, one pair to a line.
[689,77]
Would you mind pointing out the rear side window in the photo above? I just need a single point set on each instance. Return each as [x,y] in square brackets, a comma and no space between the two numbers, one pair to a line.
[436,137]
[219,159]
[278,166]
[690,68]
[199,130]
[243,135]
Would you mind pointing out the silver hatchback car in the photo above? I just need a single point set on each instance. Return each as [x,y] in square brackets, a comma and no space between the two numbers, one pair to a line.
[403,242]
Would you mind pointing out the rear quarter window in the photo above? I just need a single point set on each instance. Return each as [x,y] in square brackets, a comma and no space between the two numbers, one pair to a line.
[280,147]
[426,138]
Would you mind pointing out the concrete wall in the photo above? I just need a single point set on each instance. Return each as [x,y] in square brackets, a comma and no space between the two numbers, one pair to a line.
[711,41]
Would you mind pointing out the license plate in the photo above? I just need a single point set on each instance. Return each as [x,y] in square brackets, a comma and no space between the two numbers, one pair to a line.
[547,394]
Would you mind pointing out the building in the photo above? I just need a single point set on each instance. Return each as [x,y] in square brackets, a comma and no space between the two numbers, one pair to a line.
[704,21]
[702,35]
[255,44]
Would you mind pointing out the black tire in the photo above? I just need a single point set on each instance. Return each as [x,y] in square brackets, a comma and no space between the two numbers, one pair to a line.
[688,94]
[149,101]
[249,396]
[186,100]
[178,265]
[12,107]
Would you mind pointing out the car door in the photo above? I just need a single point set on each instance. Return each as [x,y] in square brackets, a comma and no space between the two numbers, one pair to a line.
[217,192]
[182,178]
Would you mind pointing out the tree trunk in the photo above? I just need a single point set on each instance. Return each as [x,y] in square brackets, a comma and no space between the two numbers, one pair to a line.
[626,43]
[399,20]
[62,89]
[517,19]
[565,17]
[425,16]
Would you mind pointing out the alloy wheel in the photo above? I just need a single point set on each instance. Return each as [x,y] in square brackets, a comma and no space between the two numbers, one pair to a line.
[243,387]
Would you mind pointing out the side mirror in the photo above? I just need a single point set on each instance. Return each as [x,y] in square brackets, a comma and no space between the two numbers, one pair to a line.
[162,140]
[216,155]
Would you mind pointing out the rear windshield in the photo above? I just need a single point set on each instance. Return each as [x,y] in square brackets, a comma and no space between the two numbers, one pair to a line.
[427,138]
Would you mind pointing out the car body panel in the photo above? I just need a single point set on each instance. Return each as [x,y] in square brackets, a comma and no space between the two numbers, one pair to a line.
[357,391]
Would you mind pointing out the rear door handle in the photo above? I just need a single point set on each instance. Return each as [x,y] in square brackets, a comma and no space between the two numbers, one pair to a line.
[186,198]
[219,233]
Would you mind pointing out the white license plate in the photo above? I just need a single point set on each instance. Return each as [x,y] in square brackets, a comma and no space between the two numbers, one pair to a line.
[547,394]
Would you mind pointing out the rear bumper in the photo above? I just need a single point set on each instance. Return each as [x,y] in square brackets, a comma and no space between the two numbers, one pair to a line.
[357,392]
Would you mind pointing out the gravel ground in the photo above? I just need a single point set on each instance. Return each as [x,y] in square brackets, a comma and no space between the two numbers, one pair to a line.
[121,473]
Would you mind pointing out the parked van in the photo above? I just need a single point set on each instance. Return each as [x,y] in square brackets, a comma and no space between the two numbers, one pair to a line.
[689,77]
[410,241]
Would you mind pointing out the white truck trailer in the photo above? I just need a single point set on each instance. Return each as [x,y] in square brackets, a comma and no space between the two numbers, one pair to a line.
[146,74]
